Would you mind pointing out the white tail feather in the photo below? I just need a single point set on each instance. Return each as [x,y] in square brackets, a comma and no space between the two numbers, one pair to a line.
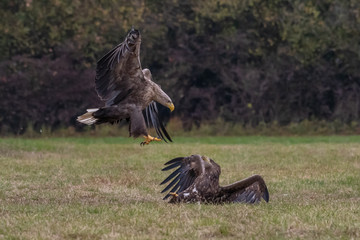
[91,110]
[88,118]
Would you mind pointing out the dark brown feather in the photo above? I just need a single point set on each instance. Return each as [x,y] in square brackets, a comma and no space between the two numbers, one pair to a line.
[153,120]
[137,124]
[240,191]
[184,176]
[119,71]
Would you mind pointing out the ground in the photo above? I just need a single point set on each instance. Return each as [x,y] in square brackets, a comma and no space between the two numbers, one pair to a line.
[108,188]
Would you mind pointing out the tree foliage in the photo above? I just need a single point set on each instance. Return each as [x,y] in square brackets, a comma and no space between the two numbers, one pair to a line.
[246,61]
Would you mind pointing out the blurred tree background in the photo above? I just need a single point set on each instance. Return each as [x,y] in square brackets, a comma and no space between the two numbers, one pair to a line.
[245,62]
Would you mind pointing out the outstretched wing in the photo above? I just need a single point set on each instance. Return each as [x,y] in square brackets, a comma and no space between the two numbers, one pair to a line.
[249,190]
[183,176]
[153,119]
[118,73]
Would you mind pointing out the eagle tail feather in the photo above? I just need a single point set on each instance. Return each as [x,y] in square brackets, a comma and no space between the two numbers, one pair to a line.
[88,117]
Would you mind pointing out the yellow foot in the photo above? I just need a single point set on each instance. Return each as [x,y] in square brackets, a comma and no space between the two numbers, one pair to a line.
[174,194]
[149,139]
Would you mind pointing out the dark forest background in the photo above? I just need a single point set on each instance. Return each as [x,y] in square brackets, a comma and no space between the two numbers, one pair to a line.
[246,62]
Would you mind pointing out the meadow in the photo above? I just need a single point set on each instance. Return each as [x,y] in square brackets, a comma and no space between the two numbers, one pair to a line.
[108,188]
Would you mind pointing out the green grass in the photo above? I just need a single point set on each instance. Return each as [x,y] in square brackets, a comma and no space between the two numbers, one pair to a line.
[107,188]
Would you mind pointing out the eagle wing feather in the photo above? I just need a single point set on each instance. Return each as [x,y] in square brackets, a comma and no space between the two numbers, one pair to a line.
[153,119]
[119,71]
[249,190]
[184,176]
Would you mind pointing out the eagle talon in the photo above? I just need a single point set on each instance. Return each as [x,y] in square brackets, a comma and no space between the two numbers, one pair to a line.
[174,194]
[149,139]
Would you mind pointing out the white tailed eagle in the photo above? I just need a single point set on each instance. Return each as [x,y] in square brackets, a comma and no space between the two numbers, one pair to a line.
[197,180]
[127,90]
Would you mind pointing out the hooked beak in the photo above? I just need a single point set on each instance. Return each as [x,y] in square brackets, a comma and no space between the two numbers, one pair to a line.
[171,107]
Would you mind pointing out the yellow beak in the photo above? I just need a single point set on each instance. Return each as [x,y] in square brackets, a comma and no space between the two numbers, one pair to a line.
[171,107]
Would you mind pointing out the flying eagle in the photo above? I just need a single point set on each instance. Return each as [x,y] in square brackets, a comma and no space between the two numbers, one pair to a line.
[197,180]
[127,89]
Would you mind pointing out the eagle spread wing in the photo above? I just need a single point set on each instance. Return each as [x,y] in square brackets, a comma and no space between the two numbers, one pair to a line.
[119,72]
[249,190]
[184,176]
[200,175]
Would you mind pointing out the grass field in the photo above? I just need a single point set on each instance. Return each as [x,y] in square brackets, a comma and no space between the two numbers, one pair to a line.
[108,188]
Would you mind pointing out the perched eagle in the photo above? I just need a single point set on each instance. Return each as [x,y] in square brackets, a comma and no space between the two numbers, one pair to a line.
[127,89]
[197,180]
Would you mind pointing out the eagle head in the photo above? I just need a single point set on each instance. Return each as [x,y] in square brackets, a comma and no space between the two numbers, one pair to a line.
[133,40]
[133,34]
[206,159]
[159,95]
[199,158]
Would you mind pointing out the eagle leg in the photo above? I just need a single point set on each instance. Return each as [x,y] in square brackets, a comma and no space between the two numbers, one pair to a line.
[149,139]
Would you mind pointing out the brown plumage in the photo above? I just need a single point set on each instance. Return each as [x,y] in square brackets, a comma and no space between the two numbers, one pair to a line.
[197,180]
[127,89]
